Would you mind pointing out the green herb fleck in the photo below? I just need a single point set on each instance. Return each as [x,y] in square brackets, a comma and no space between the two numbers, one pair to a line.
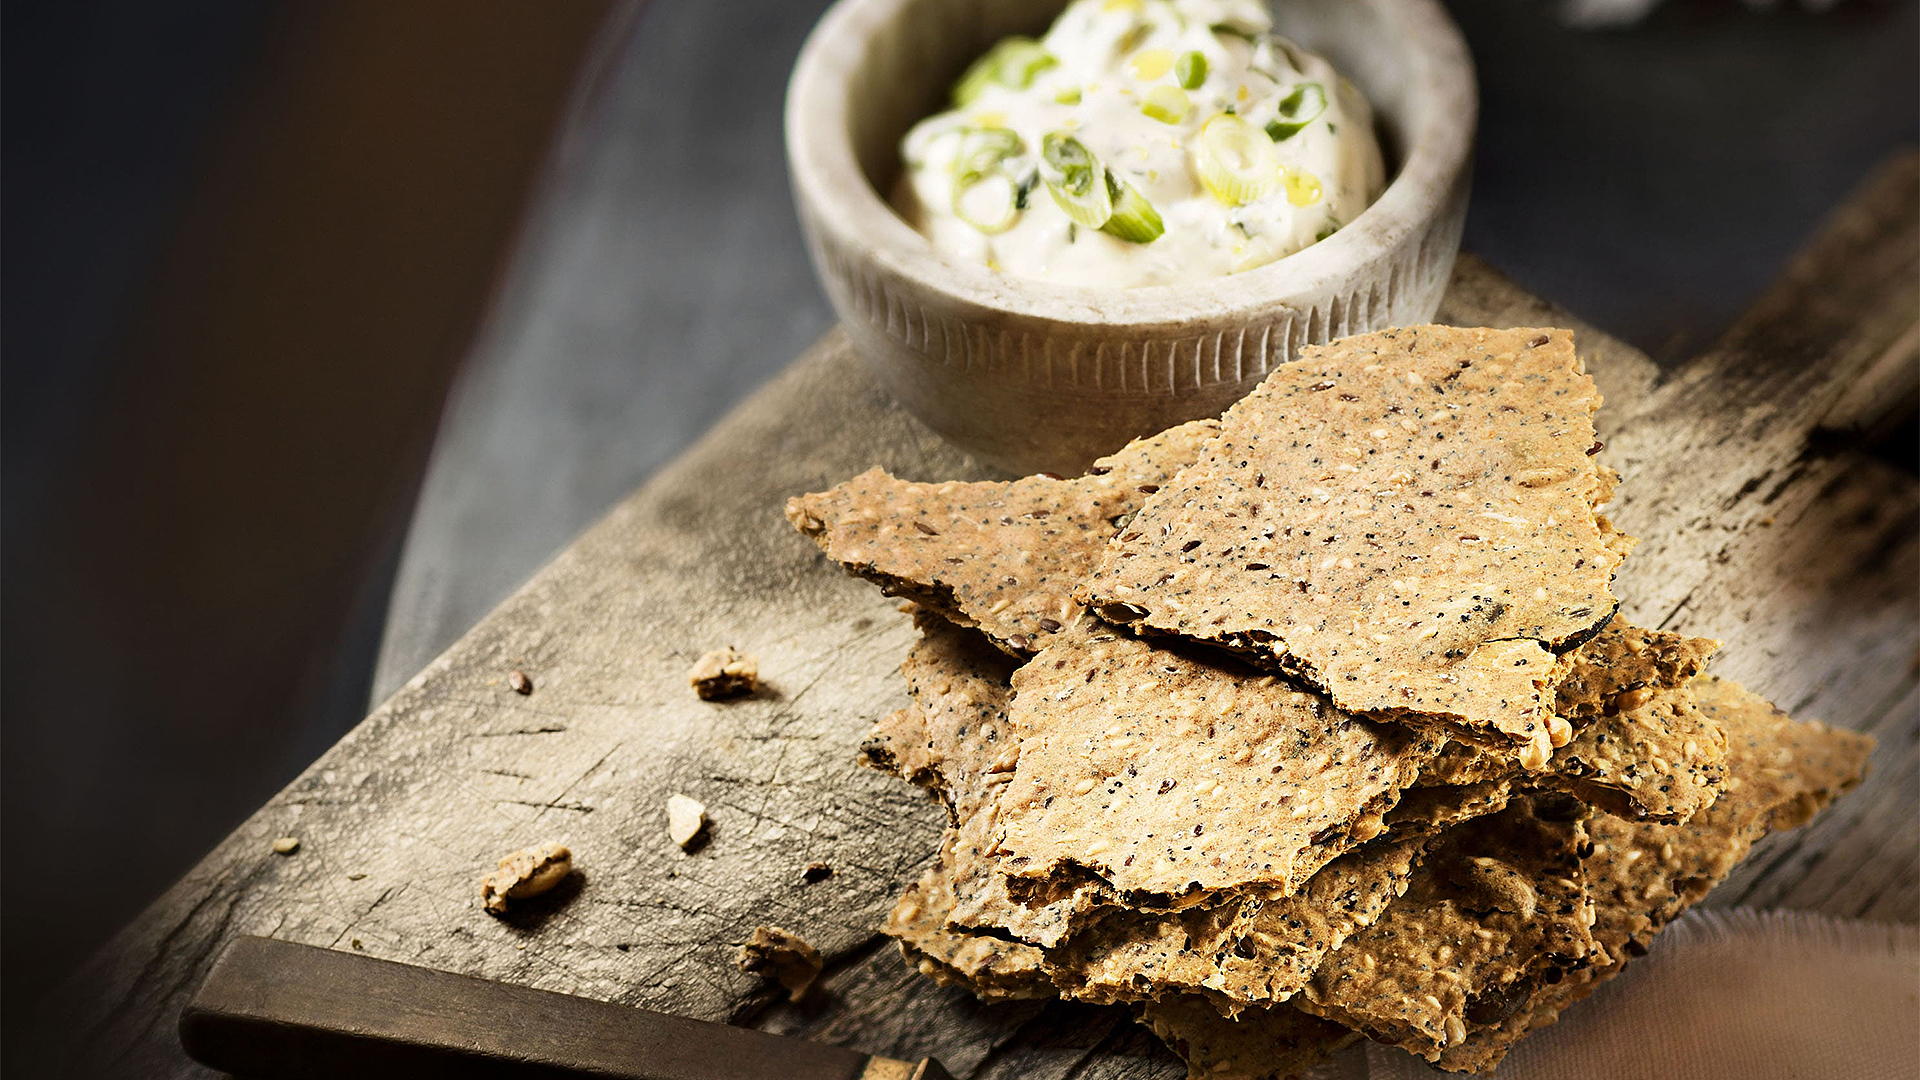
[1191,69]
[1297,110]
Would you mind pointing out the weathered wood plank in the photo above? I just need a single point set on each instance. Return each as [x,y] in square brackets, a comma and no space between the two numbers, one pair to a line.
[1803,560]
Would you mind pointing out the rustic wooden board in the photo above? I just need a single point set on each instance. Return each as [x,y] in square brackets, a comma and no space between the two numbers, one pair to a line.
[1756,530]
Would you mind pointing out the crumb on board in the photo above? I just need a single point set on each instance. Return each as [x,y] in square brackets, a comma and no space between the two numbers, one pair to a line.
[817,871]
[286,845]
[724,673]
[518,682]
[524,875]
[782,955]
[686,819]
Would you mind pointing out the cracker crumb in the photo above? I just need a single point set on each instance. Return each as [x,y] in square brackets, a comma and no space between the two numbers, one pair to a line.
[816,872]
[724,673]
[525,874]
[286,845]
[782,955]
[686,819]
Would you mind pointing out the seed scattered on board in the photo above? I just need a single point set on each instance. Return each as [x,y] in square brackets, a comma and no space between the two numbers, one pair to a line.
[524,875]
[518,682]
[783,955]
[286,845]
[724,673]
[816,872]
[686,820]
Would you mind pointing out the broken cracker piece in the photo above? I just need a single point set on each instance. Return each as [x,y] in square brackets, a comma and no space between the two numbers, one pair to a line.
[1170,777]
[686,819]
[1642,876]
[724,673]
[955,737]
[1635,744]
[1248,954]
[784,956]
[1404,518]
[1280,1043]
[990,967]
[1498,901]
[1000,556]
[525,874]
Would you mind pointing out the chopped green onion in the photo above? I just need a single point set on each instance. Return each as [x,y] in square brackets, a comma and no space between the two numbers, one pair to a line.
[1014,62]
[984,196]
[1076,180]
[1297,110]
[1025,188]
[1332,226]
[1191,69]
[1235,164]
[988,203]
[1068,96]
[1167,104]
[1150,64]
[1227,29]
[982,149]
[1134,218]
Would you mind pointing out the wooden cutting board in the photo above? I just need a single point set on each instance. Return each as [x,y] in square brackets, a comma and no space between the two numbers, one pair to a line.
[1758,525]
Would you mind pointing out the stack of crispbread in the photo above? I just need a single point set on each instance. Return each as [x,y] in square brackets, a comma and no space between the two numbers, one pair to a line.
[1316,722]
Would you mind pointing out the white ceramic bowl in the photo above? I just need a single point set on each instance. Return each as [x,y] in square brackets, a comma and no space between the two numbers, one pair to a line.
[1032,376]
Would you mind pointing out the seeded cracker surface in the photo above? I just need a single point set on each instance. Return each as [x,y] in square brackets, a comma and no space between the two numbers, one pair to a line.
[1404,518]
[1642,875]
[1168,777]
[1248,953]
[1498,901]
[987,966]
[1638,746]
[1273,1044]
[955,740]
[1000,556]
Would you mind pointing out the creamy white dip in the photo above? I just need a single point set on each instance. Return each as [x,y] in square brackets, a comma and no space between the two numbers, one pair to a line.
[1142,142]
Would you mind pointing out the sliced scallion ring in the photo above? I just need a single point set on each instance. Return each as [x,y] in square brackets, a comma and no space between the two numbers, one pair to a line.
[990,203]
[984,196]
[1014,62]
[1167,104]
[1297,110]
[1134,218]
[1191,69]
[982,149]
[1076,179]
[1236,164]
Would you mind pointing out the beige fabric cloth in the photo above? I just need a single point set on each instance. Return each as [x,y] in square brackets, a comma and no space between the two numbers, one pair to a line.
[1727,995]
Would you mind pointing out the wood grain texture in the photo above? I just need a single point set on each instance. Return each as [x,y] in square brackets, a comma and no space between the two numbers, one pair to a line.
[1802,557]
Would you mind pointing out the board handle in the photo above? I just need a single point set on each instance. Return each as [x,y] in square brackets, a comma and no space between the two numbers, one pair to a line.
[284,1010]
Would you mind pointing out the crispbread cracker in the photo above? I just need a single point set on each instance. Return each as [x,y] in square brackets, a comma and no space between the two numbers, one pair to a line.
[989,967]
[1000,556]
[1169,777]
[1405,518]
[1662,760]
[1498,901]
[1644,875]
[1636,744]
[1621,659]
[1250,953]
[1429,808]
[1279,1043]
[955,737]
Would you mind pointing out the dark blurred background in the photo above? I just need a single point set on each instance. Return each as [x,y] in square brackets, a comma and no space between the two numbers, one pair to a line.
[325,323]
